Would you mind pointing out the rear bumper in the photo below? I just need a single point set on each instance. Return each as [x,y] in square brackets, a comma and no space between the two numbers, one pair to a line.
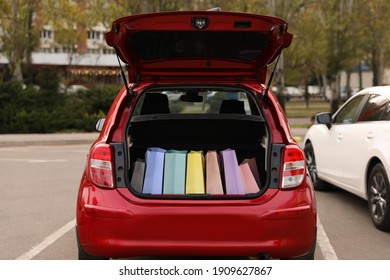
[197,228]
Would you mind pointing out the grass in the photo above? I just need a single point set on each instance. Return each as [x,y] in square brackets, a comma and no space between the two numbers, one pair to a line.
[300,125]
[294,109]
[298,109]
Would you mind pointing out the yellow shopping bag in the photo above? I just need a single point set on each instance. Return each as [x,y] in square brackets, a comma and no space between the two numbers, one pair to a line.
[195,173]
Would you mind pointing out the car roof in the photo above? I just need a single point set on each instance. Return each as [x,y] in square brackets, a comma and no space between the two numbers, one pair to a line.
[384,90]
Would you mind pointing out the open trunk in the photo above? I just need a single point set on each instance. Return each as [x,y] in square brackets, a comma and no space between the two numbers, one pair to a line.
[199,120]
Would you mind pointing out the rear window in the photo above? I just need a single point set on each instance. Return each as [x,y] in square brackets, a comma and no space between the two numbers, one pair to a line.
[237,45]
[196,101]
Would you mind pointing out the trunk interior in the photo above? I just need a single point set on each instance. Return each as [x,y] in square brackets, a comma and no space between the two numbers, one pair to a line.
[245,134]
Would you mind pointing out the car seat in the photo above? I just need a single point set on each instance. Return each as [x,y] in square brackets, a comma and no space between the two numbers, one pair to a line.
[232,106]
[155,103]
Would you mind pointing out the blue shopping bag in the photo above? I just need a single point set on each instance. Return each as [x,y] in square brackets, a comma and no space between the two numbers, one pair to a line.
[153,181]
[175,172]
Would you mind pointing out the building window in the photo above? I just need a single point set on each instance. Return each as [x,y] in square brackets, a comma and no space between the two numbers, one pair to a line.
[93,51]
[46,34]
[45,50]
[93,35]
[108,51]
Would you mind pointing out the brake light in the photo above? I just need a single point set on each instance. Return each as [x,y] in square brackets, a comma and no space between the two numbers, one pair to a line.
[100,165]
[293,167]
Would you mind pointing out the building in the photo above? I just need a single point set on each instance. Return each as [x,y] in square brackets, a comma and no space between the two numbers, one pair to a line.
[91,61]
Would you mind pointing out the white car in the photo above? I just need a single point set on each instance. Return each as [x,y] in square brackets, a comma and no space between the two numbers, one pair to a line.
[351,150]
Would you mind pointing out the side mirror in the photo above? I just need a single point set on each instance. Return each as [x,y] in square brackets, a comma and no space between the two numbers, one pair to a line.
[324,118]
[99,124]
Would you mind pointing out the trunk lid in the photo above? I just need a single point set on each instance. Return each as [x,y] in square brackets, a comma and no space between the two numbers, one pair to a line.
[198,44]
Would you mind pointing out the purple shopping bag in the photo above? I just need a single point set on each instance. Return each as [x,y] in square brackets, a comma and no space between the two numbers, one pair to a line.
[233,180]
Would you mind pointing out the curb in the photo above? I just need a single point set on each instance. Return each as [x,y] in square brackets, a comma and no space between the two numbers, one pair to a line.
[15,140]
[44,143]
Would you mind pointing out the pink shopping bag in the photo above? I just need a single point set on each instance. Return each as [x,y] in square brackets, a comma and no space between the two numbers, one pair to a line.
[248,180]
[255,171]
[213,174]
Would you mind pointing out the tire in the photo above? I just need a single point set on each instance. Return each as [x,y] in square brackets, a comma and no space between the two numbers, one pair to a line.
[378,192]
[318,184]
[83,255]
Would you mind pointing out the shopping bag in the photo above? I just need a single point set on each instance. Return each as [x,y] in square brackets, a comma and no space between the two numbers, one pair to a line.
[248,180]
[255,171]
[195,173]
[154,160]
[232,176]
[175,172]
[213,174]
[137,177]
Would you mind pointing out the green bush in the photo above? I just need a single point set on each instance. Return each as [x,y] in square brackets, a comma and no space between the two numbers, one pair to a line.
[28,110]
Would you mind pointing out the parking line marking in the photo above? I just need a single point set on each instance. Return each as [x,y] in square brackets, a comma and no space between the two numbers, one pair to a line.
[35,250]
[324,243]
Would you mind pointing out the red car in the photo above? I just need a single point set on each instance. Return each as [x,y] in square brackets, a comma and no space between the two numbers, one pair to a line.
[195,157]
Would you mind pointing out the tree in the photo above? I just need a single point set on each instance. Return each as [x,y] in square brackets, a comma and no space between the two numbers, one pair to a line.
[106,11]
[377,37]
[20,36]
[305,58]
[69,21]
[327,32]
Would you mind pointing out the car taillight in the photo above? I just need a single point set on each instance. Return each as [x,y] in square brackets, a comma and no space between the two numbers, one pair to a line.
[100,165]
[293,165]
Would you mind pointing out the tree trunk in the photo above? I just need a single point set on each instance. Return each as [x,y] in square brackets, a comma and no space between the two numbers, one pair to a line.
[377,66]
[15,60]
[334,104]
[325,86]
[360,76]
[348,85]
[30,48]
[17,74]
[374,68]
[307,94]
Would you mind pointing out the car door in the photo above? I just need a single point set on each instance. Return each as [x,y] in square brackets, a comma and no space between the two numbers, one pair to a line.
[332,156]
[359,141]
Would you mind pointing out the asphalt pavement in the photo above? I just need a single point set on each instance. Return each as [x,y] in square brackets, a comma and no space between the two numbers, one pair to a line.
[10,140]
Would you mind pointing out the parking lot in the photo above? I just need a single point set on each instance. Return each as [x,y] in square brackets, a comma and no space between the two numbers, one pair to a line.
[39,189]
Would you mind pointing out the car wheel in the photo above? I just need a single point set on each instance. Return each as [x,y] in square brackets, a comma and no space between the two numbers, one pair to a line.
[82,255]
[318,184]
[379,197]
